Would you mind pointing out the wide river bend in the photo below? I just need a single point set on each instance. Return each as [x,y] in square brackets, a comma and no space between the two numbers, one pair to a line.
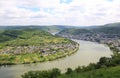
[89,52]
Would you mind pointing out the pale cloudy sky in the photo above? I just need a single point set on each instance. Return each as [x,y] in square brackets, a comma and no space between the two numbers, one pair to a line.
[59,12]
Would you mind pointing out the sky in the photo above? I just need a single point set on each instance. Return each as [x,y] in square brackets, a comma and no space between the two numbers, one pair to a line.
[59,12]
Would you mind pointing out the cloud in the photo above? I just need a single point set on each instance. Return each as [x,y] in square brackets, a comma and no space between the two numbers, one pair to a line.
[66,1]
[59,12]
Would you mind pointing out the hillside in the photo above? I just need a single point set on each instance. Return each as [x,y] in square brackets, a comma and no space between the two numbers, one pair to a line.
[45,28]
[51,28]
[106,34]
[112,72]
[105,72]
[101,33]
[105,29]
[33,45]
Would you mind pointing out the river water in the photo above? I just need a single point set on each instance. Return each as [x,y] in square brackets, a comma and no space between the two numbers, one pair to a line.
[89,52]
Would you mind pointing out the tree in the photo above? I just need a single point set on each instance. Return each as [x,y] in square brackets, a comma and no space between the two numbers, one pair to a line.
[55,72]
[69,70]
[43,74]
[78,69]
[102,60]
[91,66]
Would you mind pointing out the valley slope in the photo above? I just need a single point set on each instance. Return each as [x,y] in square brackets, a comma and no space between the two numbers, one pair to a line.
[33,45]
[107,34]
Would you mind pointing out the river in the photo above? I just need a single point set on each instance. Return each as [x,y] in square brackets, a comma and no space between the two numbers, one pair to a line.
[89,52]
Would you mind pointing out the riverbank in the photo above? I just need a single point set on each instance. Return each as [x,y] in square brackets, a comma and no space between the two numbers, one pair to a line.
[106,67]
[109,72]
[109,35]
[89,52]
[34,57]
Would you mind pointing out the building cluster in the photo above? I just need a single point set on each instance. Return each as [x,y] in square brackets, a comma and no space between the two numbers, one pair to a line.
[42,50]
[112,39]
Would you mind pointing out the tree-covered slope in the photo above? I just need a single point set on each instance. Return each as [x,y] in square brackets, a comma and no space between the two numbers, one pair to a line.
[101,33]
[112,72]
[51,28]
[107,34]
[105,68]
[113,28]
[32,45]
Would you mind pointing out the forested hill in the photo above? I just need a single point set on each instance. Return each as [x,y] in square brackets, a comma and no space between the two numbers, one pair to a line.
[32,45]
[107,34]
[45,28]
[103,32]
[113,28]
[52,28]
[11,35]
